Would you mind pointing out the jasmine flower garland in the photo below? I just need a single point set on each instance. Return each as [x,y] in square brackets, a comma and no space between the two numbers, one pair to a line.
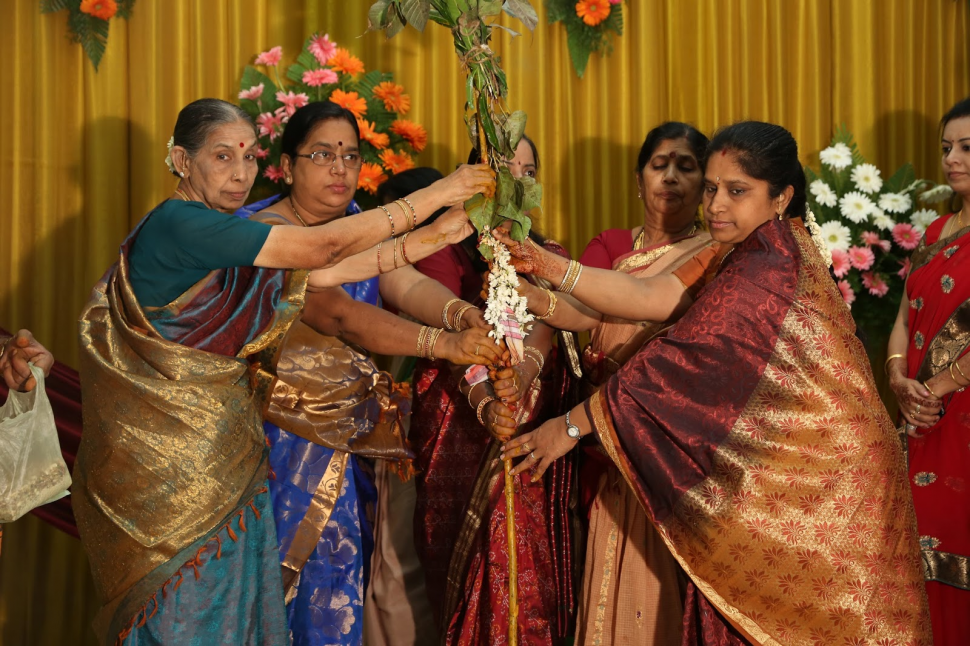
[504,302]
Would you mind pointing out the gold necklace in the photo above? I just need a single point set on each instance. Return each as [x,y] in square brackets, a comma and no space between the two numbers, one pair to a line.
[293,206]
[639,241]
[182,194]
[958,220]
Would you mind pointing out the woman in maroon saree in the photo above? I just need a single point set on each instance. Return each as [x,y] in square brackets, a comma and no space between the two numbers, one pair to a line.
[931,337]
[753,433]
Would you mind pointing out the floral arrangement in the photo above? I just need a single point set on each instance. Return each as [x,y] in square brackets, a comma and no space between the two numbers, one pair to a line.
[870,226]
[591,26]
[323,71]
[88,21]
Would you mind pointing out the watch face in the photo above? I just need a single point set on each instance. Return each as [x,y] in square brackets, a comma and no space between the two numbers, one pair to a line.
[573,431]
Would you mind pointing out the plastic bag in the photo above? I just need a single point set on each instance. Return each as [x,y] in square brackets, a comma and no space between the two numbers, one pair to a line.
[32,470]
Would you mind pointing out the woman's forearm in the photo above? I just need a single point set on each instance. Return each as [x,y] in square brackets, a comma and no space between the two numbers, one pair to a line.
[569,314]
[899,340]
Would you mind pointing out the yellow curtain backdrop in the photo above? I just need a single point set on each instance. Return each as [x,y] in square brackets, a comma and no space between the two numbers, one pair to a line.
[81,158]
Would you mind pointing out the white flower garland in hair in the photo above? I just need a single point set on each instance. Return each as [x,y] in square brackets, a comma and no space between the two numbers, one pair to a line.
[504,301]
[816,232]
[168,158]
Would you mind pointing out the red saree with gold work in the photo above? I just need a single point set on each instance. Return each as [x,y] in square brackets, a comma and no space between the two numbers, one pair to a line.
[754,437]
[939,332]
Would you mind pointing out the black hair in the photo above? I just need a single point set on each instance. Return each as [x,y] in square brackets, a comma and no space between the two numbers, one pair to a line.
[696,140]
[197,120]
[303,120]
[406,182]
[767,152]
[474,157]
[959,109]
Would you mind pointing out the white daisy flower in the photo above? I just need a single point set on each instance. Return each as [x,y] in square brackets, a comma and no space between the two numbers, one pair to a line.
[922,219]
[867,178]
[881,220]
[823,193]
[856,207]
[938,193]
[837,156]
[895,202]
[836,235]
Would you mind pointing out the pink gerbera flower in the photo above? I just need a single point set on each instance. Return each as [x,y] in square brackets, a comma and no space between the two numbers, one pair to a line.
[847,294]
[905,235]
[316,78]
[861,257]
[261,153]
[906,265]
[875,284]
[273,173]
[252,93]
[840,263]
[872,239]
[292,102]
[269,124]
[271,57]
[322,48]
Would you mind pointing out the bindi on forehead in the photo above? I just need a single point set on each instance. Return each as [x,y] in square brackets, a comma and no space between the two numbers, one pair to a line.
[340,143]
[242,144]
[673,154]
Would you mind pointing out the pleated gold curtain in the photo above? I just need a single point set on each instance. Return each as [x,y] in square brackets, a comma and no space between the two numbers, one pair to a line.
[81,151]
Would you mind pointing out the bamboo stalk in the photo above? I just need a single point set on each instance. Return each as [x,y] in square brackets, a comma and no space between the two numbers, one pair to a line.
[513,554]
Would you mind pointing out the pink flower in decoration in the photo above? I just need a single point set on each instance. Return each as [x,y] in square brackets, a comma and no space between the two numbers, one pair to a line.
[316,78]
[271,57]
[322,48]
[847,294]
[252,93]
[273,173]
[261,153]
[292,102]
[269,124]
[875,284]
[906,266]
[282,114]
[869,238]
[906,236]
[861,258]
[840,263]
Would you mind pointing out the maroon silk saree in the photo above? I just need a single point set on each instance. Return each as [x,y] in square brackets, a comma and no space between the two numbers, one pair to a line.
[754,437]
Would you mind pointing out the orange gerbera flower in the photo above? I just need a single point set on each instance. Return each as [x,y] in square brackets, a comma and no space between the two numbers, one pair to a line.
[371,176]
[344,61]
[393,96]
[376,139]
[103,9]
[413,133]
[350,100]
[396,162]
[593,12]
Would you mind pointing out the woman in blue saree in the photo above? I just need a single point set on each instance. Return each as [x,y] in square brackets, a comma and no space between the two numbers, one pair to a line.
[332,410]
[178,344]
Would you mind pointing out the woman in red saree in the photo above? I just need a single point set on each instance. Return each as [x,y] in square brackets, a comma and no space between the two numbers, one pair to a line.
[460,520]
[753,433]
[931,337]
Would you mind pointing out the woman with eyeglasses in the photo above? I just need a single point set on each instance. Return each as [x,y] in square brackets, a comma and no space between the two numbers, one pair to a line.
[179,344]
[332,410]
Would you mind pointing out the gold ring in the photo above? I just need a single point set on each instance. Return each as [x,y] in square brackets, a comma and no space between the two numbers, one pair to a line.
[533,456]
[918,407]
[525,447]
[477,348]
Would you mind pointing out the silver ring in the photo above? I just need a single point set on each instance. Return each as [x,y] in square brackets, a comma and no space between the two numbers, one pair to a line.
[533,456]
[910,427]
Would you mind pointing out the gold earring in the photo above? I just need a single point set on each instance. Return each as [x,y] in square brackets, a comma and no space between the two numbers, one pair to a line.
[288,180]
[639,195]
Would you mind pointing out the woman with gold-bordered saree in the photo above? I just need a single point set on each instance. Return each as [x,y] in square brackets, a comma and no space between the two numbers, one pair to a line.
[938,293]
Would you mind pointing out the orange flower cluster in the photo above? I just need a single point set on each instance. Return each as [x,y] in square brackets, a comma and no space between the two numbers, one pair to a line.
[393,96]
[351,101]
[368,133]
[396,162]
[344,61]
[413,133]
[593,12]
[103,9]
[371,176]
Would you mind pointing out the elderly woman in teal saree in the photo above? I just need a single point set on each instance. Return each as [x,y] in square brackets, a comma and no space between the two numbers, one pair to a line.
[178,346]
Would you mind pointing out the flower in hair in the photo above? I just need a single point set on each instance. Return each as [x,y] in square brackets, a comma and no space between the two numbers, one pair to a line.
[168,157]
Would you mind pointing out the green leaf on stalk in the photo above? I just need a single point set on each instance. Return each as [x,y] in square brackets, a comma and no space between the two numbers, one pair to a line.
[486,118]
[511,32]
[514,128]
[396,22]
[471,123]
[415,12]
[504,189]
[522,10]
[377,15]
[480,211]
[489,7]
[579,49]
[531,194]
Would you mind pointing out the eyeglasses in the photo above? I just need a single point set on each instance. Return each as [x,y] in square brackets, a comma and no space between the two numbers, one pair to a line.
[327,158]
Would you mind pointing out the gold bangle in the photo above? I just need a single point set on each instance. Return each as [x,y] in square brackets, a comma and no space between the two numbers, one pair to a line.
[395,252]
[389,217]
[460,313]
[579,272]
[444,313]
[954,377]
[422,333]
[885,366]
[414,214]
[553,301]
[433,342]
[567,276]
[926,386]
[960,370]
[569,281]
[380,269]
[408,217]
[469,396]
[535,355]
[404,252]
[481,408]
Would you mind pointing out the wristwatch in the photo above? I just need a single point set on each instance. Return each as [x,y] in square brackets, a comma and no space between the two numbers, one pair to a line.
[571,429]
